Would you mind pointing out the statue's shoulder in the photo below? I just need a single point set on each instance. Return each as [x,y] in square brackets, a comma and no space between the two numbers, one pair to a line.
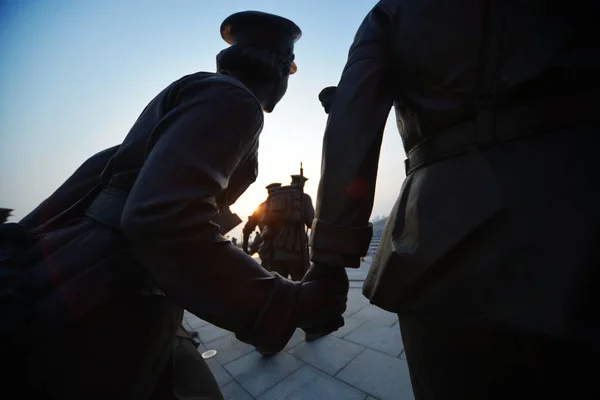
[212,79]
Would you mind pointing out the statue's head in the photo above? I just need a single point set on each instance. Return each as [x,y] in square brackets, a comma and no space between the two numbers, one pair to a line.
[326,97]
[272,186]
[298,180]
[261,54]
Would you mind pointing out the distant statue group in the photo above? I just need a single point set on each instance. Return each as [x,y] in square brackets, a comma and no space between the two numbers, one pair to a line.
[282,220]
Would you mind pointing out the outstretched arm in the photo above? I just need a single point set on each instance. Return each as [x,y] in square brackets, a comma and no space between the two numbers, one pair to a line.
[341,232]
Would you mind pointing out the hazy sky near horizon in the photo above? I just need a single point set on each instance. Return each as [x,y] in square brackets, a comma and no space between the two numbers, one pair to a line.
[76,74]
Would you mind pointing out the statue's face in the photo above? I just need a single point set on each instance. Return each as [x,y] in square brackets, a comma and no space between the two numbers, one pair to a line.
[274,94]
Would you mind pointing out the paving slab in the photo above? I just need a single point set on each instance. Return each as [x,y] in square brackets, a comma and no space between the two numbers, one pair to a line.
[234,391]
[222,377]
[356,302]
[376,315]
[356,284]
[309,383]
[192,322]
[208,333]
[379,375]
[381,338]
[295,340]
[350,324]
[256,374]
[329,353]
[229,348]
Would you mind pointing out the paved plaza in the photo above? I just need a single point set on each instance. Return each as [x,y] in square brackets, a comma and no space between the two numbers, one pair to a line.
[362,360]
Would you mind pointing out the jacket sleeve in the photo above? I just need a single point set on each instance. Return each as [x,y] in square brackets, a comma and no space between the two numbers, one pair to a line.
[167,217]
[341,231]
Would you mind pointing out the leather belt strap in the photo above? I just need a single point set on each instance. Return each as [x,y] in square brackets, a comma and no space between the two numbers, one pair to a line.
[107,207]
[545,115]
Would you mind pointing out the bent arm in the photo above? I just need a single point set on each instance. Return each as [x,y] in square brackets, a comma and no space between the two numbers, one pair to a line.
[168,214]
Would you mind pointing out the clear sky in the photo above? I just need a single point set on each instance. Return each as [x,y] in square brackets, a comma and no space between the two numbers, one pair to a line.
[75,75]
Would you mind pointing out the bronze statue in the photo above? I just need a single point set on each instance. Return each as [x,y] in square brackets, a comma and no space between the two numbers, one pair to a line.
[136,243]
[490,255]
[288,213]
[255,221]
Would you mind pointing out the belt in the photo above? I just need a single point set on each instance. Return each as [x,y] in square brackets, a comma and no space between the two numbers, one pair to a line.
[107,207]
[537,117]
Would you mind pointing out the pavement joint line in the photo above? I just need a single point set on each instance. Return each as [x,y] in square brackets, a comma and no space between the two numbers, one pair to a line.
[240,385]
[378,351]
[349,384]
[340,370]
[283,378]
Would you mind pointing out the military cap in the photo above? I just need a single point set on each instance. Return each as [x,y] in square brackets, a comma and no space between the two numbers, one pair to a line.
[299,178]
[272,186]
[262,30]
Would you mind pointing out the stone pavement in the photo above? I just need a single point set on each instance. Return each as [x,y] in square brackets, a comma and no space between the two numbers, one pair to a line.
[362,360]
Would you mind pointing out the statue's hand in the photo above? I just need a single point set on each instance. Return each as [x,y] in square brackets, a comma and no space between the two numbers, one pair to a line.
[329,285]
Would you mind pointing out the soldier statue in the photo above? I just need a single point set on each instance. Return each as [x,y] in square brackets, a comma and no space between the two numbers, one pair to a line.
[254,221]
[490,256]
[125,246]
[4,214]
[288,214]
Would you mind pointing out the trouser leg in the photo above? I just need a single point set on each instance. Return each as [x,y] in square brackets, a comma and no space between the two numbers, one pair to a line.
[297,269]
[280,267]
[451,362]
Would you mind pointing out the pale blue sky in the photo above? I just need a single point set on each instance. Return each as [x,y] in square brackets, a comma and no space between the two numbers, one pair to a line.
[75,75]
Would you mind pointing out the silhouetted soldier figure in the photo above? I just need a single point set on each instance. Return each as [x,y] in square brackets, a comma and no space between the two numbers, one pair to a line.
[491,254]
[129,253]
[289,213]
[256,221]
[4,214]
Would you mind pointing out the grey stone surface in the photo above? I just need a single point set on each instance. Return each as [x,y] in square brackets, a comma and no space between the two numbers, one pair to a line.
[379,375]
[222,377]
[356,302]
[376,337]
[234,391]
[351,363]
[295,340]
[192,322]
[359,274]
[350,324]
[229,348]
[257,374]
[376,316]
[208,333]
[309,383]
[329,354]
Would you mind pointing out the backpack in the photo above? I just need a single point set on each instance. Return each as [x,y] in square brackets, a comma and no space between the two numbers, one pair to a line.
[283,207]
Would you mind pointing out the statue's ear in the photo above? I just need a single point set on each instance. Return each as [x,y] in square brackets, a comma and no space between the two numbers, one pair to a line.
[293,68]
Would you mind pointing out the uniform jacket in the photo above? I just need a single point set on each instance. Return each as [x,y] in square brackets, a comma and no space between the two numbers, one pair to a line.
[497,218]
